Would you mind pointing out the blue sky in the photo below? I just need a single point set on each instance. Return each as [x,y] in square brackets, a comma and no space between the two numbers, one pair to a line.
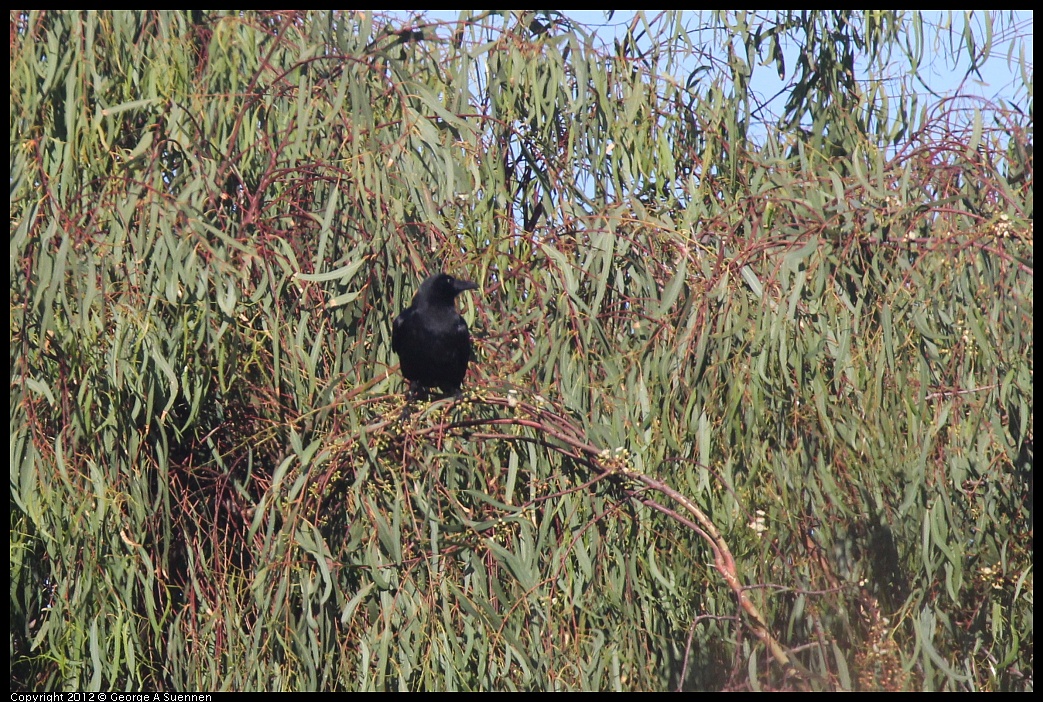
[1000,76]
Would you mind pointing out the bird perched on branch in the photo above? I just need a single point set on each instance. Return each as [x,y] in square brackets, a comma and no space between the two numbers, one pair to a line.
[431,338]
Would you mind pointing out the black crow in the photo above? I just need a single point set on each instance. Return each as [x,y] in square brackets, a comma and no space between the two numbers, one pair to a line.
[431,338]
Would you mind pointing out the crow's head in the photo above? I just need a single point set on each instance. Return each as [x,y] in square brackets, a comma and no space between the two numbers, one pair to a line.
[442,289]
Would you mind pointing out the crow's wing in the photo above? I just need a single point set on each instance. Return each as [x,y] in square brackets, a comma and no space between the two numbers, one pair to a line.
[398,334]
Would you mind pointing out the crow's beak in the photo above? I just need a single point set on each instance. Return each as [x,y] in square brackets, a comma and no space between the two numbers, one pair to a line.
[461,285]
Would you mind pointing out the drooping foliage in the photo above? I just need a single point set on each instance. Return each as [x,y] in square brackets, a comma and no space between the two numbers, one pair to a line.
[752,406]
